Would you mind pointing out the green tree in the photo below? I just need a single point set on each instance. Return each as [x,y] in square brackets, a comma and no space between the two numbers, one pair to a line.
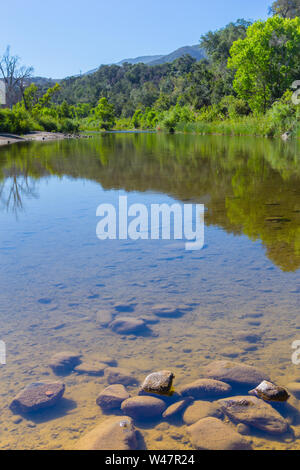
[286,8]
[266,61]
[105,113]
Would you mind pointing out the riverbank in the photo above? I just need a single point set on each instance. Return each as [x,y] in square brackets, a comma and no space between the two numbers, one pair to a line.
[9,139]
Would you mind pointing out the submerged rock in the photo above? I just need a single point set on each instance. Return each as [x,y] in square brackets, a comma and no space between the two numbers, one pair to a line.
[235,373]
[112,397]
[213,434]
[117,375]
[64,362]
[206,388]
[177,408]
[168,311]
[116,433]
[91,368]
[270,392]
[158,382]
[37,396]
[201,409]
[143,407]
[128,325]
[254,412]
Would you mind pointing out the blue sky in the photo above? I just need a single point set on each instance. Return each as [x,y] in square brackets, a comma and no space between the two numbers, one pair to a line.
[61,37]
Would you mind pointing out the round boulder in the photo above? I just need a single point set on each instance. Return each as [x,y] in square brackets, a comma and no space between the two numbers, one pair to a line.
[235,373]
[213,434]
[112,397]
[64,362]
[206,388]
[116,433]
[37,396]
[201,409]
[143,407]
[254,412]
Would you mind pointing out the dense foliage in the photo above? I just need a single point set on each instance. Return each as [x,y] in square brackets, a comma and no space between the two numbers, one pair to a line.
[243,86]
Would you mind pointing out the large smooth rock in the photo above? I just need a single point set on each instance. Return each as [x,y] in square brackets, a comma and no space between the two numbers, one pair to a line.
[37,396]
[91,368]
[176,408]
[112,397]
[206,388]
[116,433]
[254,412]
[143,407]
[213,434]
[270,392]
[128,325]
[64,362]
[158,382]
[201,409]
[235,373]
[118,375]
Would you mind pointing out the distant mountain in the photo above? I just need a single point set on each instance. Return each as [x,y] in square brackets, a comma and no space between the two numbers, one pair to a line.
[147,59]
[195,51]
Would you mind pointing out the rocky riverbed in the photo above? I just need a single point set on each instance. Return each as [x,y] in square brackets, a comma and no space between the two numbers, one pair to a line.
[219,411]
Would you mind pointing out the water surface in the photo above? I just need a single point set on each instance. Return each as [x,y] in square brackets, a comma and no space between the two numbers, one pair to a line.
[55,273]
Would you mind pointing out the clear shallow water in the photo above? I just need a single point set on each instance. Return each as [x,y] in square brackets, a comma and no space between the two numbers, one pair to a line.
[55,273]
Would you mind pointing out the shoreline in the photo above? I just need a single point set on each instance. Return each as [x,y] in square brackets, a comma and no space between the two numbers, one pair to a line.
[38,136]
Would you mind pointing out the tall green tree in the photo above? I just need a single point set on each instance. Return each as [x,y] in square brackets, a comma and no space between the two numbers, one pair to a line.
[286,8]
[267,61]
[105,113]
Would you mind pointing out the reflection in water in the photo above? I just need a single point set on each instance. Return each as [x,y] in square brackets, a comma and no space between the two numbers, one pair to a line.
[249,186]
[56,277]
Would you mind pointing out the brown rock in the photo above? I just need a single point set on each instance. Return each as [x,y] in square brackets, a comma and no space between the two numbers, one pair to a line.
[117,433]
[91,368]
[127,325]
[143,407]
[270,392]
[158,382]
[213,434]
[206,388]
[112,397]
[235,373]
[37,396]
[64,362]
[177,408]
[254,412]
[201,409]
[117,375]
